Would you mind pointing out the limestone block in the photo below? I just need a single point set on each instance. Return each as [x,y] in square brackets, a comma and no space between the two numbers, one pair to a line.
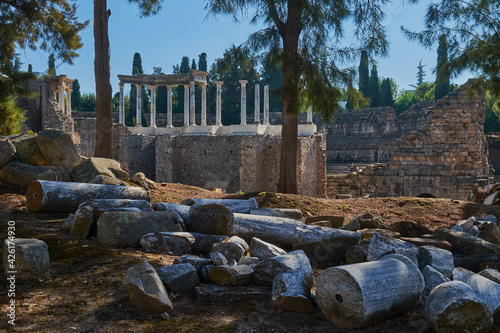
[145,288]
[249,261]
[352,225]
[466,224]
[491,274]
[233,248]
[22,175]
[28,257]
[90,168]
[108,180]
[324,247]
[409,229]
[218,259]
[381,246]
[140,179]
[367,221]
[58,148]
[182,210]
[212,219]
[229,295]
[290,213]
[439,259]
[358,253]
[368,233]
[68,223]
[107,204]
[485,289]
[7,151]
[454,307]
[84,218]
[231,276]
[490,233]
[476,262]
[432,278]
[205,273]
[491,199]
[291,293]
[264,250]
[234,205]
[125,229]
[180,278]
[462,243]
[293,262]
[428,242]
[354,296]
[171,243]
[203,242]
[196,261]
[27,149]
[473,231]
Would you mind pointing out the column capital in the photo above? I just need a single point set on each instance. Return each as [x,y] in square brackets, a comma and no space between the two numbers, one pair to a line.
[243,81]
[152,87]
[203,85]
[219,83]
[121,84]
[169,88]
[69,91]
[191,83]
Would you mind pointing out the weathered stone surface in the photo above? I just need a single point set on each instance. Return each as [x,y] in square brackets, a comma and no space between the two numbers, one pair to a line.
[289,213]
[291,293]
[352,225]
[172,243]
[335,221]
[145,289]
[31,261]
[324,247]
[50,196]
[182,210]
[264,250]
[196,261]
[368,233]
[381,246]
[7,151]
[491,199]
[354,296]
[491,233]
[409,229]
[27,149]
[214,294]
[107,180]
[462,243]
[466,224]
[233,248]
[368,221]
[490,218]
[231,276]
[203,242]
[234,205]
[212,219]
[180,278]
[358,253]
[68,223]
[439,259]
[476,262]
[107,204]
[249,261]
[473,231]
[325,224]
[125,229]
[454,307]
[432,278]
[218,259]
[84,218]
[92,167]
[294,262]
[485,289]
[491,274]
[22,175]
[140,179]
[58,148]
[205,273]
[442,244]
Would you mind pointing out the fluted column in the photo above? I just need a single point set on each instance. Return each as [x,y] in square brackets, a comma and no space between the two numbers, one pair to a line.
[257,104]
[68,104]
[243,101]
[192,109]
[138,104]
[169,106]
[218,108]
[153,106]
[60,90]
[266,105]
[309,115]
[121,111]
[203,104]
[186,105]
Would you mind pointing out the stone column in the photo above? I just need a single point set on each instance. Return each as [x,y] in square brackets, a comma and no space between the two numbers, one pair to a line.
[309,115]
[153,106]
[121,112]
[243,101]
[203,104]
[68,104]
[218,109]
[169,106]
[186,105]
[138,104]
[192,110]
[266,105]
[257,104]
[60,90]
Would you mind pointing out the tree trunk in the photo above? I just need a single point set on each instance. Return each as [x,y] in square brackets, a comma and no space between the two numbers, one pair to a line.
[104,112]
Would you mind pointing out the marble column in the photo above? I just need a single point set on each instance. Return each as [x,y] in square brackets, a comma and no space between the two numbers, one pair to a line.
[266,105]
[257,104]
[60,90]
[153,106]
[186,105]
[192,109]
[218,108]
[309,115]
[121,112]
[203,104]
[169,106]
[68,104]
[243,102]
[138,104]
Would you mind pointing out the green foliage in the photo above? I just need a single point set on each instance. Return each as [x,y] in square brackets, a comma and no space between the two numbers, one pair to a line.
[272,75]
[52,65]
[202,62]
[184,68]
[193,64]
[364,74]
[145,107]
[11,117]
[492,117]
[76,96]
[374,87]
[424,92]
[355,99]
[178,92]
[386,97]
[87,102]
[30,68]
[442,69]
[420,73]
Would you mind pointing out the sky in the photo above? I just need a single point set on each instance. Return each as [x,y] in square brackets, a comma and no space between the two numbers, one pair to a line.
[182,28]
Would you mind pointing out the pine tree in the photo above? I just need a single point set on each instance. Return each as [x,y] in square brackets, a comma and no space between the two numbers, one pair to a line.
[386,98]
[374,87]
[420,73]
[52,65]
[442,69]
[76,96]
[364,75]
[202,62]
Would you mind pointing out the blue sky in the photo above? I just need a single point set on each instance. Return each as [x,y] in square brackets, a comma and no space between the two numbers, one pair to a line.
[182,29]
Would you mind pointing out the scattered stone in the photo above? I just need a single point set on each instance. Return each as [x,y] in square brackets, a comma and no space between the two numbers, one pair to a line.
[171,243]
[473,231]
[462,243]
[165,316]
[180,278]
[205,273]
[294,262]
[218,259]
[27,149]
[125,229]
[490,233]
[231,276]
[476,262]
[212,219]
[428,241]
[381,246]
[358,253]
[107,180]
[197,262]
[22,175]
[140,179]
[232,248]
[490,218]
[182,210]
[249,261]
[291,293]
[263,250]
[368,221]
[68,223]
[92,167]
[31,258]
[145,289]
[368,233]
[218,294]
[84,218]
[7,151]
[409,229]
[107,204]
[58,148]
[439,259]
[491,274]
[466,224]
[343,196]
[234,205]
[325,224]
[325,247]
[354,296]
[485,289]
[352,225]
[203,242]
[491,199]
[454,307]
[432,278]
[458,228]
[290,213]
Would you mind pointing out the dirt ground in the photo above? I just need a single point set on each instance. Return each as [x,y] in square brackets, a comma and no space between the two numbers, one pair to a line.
[85,292]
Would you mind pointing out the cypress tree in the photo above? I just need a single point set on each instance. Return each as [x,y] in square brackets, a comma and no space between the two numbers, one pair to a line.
[137,68]
[184,67]
[364,75]
[374,87]
[202,62]
[76,96]
[52,65]
[442,69]
[420,73]
[30,68]
[193,64]
[386,93]
[179,90]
